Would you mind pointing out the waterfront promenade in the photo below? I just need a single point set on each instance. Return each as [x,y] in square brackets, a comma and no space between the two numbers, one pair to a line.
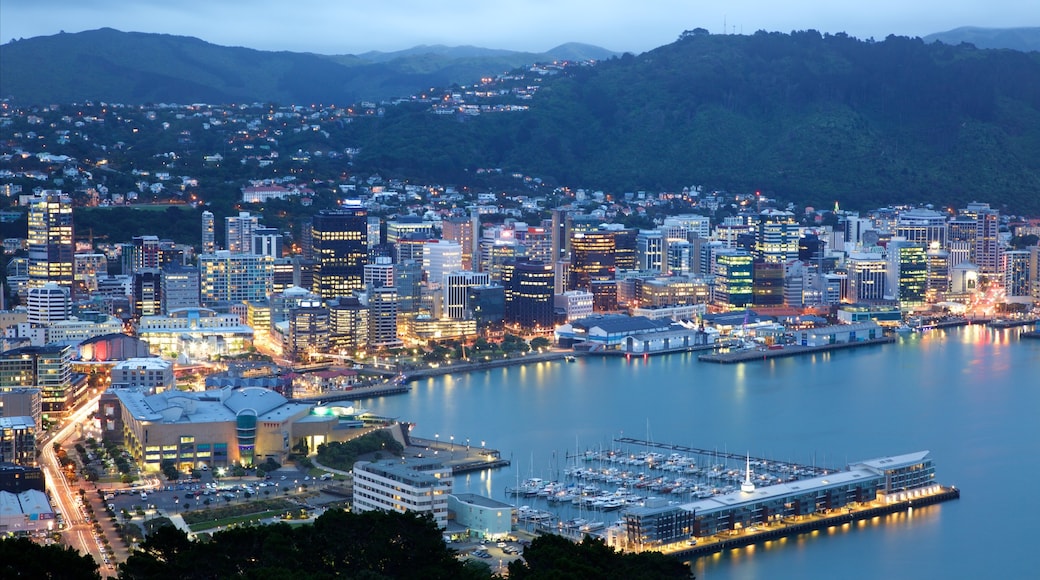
[765,353]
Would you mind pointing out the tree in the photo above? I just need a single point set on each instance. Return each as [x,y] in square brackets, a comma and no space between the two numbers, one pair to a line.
[540,342]
[23,558]
[169,469]
[552,556]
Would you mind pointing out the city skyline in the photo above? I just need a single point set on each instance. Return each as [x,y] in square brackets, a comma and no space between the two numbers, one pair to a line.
[530,25]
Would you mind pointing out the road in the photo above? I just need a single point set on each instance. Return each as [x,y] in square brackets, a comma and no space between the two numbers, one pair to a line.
[78,532]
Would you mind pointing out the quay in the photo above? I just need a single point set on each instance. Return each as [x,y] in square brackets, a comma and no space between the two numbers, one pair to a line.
[465,367]
[460,457]
[787,350]
[1030,334]
[794,526]
[358,393]
[1012,323]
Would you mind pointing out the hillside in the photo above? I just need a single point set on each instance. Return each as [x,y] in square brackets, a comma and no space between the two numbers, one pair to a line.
[1025,39]
[811,117]
[131,67]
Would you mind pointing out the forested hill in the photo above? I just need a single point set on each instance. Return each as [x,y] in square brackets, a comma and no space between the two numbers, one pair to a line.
[135,67]
[812,117]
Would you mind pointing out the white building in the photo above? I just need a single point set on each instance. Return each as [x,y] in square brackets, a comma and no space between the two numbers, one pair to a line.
[154,374]
[49,303]
[576,303]
[441,257]
[403,486]
[456,288]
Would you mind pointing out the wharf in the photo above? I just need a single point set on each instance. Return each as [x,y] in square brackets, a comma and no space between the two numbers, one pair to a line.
[715,544]
[464,367]
[673,350]
[354,394]
[788,350]
[460,457]
[1030,334]
[739,458]
[1012,323]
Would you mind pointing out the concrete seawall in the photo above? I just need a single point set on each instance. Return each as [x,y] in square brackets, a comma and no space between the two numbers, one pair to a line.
[787,350]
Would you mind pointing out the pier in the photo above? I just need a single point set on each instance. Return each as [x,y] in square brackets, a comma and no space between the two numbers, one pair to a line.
[460,457]
[354,394]
[739,458]
[794,526]
[765,353]
[999,324]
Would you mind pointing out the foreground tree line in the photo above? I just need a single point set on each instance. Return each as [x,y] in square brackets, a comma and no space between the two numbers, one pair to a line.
[369,545]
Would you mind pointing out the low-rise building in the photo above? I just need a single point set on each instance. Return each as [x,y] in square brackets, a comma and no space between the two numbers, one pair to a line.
[410,485]
[154,374]
[483,517]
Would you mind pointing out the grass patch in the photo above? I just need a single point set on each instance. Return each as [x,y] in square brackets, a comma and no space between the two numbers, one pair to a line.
[224,522]
[249,509]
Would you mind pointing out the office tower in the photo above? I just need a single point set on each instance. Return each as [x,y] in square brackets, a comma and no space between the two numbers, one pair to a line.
[408,277]
[986,242]
[374,235]
[459,229]
[649,250]
[229,278]
[767,284]
[867,280]
[209,239]
[625,257]
[456,290]
[87,269]
[266,242]
[51,246]
[938,283]
[284,274]
[487,303]
[776,237]
[734,279]
[537,242]
[559,237]
[48,368]
[592,259]
[48,303]
[528,288]
[1034,272]
[439,258]
[907,273]
[340,251]
[679,259]
[348,325]
[408,226]
[147,296]
[239,232]
[687,226]
[380,274]
[1017,277]
[180,288]
[922,226]
[309,327]
[382,317]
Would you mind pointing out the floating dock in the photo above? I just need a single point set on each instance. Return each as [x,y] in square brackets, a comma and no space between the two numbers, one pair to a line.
[1012,323]
[765,353]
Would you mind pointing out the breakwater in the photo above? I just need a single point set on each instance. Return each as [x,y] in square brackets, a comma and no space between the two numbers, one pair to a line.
[765,353]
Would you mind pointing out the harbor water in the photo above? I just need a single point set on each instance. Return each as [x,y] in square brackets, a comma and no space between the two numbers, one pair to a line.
[969,395]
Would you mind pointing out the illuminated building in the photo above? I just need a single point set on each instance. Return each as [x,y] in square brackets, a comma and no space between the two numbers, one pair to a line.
[460,231]
[153,374]
[51,246]
[410,485]
[22,402]
[938,275]
[348,325]
[88,268]
[48,368]
[487,304]
[577,304]
[239,232]
[649,250]
[592,259]
[922,226]
[408,226]
[18,440]
[147,294]
[776,237]
[209,243]
[986,240]
[48,303]
[179,288]
[340,250]
[734,282]
[196,332]
[867,277]
[456,289]
[907,273]
[382,317]
[439,258]
[528,295]
[308,331]
[1017,277]
[228,278]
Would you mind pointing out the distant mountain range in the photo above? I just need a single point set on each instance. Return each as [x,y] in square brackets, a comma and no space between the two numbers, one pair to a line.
[1025,39]
[134,67]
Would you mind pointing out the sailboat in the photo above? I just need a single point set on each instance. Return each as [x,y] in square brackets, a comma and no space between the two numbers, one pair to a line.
[747,486]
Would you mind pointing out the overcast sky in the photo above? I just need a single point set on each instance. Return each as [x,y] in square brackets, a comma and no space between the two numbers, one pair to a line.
[351,27]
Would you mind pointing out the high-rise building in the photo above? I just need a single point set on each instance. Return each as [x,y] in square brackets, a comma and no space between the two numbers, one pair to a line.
[408,280]
[487,303]
[380,274]
[938,274]
[88,269]
[267,242]
[456,289]
[382,317]
[922,226]
[592,259]
[529,286]
[867,280]
[51,247]
[180,288]
[439,258]
[239,232]
[987,242]
[209,239]
[537,242]
[776,237]
[48,304]
[768,283]
[48,368]
[1017,277]
[408,225]
[340,245]
[649,250]
[460,230]
[734,276]
[348,325]
[907,273]
[147,297]
[309,327]
[418,486]
[229,278]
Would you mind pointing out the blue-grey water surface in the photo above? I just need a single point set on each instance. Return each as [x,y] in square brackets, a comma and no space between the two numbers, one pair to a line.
[970,395]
